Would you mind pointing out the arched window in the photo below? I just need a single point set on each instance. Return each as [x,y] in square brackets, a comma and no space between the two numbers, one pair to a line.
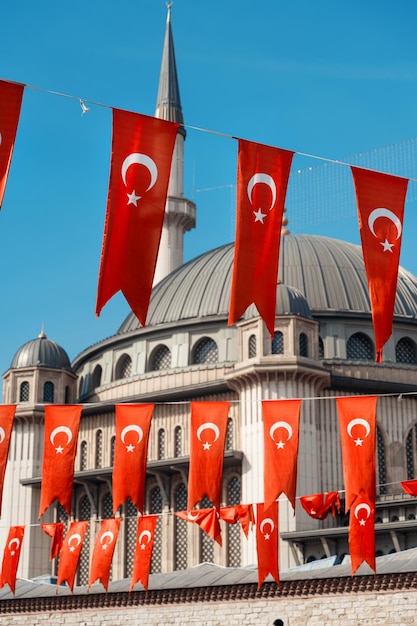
[83,456]
[160,359]
[112,449]
[277,344]
[252,346]
[80,386]
[303,344]
[97,376]
[124,367]
[381,464]
[229,434]
[205,351]
[359,346]
[411,448]
[107,506]
[131,524]
[321,348]
[178,441]
[67,397]
[24,391]
[155,508]
[206,542]
[99,448]
[48,391]
[233,531]
[84,513]
[180,529]
[161,443]
[405,351]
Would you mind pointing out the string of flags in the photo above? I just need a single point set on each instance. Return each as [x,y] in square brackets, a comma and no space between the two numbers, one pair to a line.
[140,165]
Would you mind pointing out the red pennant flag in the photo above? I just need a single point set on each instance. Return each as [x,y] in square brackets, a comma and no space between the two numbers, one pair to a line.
[70,553]
[207,438]
[11,95]
[56,532]
[207,519]
[11,557]
[410,487]
[145,538]
[242,513]
[362,532]
[357,422]
[6,424]
[103,551]
[142,149]
[281,420]
[380,200]
[267,542]
[318,505]
[60,446]
[133,423]
[262,180]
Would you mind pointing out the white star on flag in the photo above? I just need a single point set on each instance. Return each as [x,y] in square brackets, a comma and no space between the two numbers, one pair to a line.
[206,446]
[133,198]
[266,536]
[386,245]
[280,445]
[59,450]
[130,447]
[259,216]
[362,522]
[358,442]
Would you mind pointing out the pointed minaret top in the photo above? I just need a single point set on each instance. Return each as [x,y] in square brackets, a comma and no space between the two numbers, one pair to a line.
[168,104]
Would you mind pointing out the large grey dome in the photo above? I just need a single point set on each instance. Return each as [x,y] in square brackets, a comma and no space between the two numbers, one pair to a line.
[41,352]
[329,274]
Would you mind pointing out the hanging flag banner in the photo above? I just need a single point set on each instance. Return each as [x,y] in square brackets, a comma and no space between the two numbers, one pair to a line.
[56,532]
[7,413]
[133,422]
[70,553]
[145,537]
[11,556]
[262,179]
[267,542]
[60,446]
[207,519]
[207,439]
[318,505]
[242,513]
[103,551]
[357,423]
[410,487]
[380,200]
[362,532]
[11,95]
[281,419]
[142,149]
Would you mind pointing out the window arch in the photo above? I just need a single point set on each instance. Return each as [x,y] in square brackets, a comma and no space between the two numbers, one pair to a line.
[206,542]
[406,351]
[80,386]
[277,344]
[233,531]
[161,443]
[155,508]
[411,452]
[123,367]
[97,376]
[381,463]
[84,513]
[360,346]
[178,441]
[48,391]
[180,528]
[112,449]
[321,348]
[229,434]
[131,525]
[205,351]
[24,391]
[83,456]
[67,396]
[252,348]
[160,359]
[303,344]
[99,449]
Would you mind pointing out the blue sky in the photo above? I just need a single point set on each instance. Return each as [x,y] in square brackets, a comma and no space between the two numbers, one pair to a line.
[330,79]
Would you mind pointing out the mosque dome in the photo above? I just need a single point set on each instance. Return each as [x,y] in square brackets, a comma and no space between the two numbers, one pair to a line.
[41,352]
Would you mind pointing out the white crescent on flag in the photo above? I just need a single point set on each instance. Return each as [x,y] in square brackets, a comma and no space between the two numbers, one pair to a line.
[140,159]
[265,522]
[14,542]
[132,428]
[358,422]
[191,516]
[145,533]
[267,180]
[276,425]
[382,212]
[208,426]
[77,538]
[109,534]
[361,507]
[61,429]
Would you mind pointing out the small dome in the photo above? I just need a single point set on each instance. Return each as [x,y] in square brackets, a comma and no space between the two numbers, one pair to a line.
[290,301]
[41,352]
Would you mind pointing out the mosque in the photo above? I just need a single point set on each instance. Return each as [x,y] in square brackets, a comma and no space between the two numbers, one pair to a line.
[322,348]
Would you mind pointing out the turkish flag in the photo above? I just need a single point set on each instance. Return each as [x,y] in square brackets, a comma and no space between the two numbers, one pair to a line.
[380,200]
[362,532]
[318,505]
[207,519]
[262,179]
[11,556]
[142,149]
[410,487]
[70,553]
[59,449]
[11,95]
[103,551]
[281,420]
[207,438]
[357,422]
[145,537]
[133,423]
[242,513]
[267,542]
[6,424]
[56,532]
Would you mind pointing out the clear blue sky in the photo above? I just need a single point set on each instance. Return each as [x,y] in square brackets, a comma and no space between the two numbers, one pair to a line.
[325,78]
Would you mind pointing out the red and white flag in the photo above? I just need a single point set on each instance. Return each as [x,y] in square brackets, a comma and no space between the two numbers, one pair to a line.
[7,413]
[242,513]
[380,200]
[281,420]
[318,505]
[207,438]
[362,532]
[267,542]
[145,538]
[133,424]
[103,551]
[207,519]
[56,532]
[410,487]
[60,446]
[11,95]
[262,179]
[70,553]
[142,149]
[11,556]
[357,422]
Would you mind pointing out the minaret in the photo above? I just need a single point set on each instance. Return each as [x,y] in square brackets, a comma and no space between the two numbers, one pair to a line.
[179,212]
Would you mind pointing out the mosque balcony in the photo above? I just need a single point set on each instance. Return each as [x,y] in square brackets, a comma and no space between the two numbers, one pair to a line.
[369,377]
[182,211]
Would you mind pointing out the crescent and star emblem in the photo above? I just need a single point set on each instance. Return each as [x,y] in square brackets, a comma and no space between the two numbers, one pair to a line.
[267,180]
[77,537]
[2,434]
[139,159]
[108,534]
[128,429]
[383,212]
[13,542]
[208,426]
[192,517]
[286,425]
[148,535]
[358,422]
[267,521]
[361,507]
[60,429]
